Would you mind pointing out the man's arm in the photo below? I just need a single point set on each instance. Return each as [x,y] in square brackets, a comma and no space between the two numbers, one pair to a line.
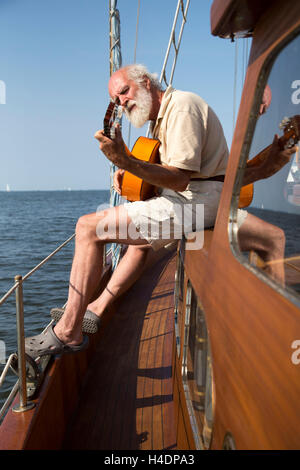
[159,175]
[275,159]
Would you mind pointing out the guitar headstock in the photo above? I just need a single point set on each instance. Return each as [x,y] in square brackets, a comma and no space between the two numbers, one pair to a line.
[291,128]
[112,117]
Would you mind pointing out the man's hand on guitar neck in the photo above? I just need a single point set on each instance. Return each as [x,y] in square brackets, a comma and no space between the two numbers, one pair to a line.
[270,163]
[159,175]
[114,150]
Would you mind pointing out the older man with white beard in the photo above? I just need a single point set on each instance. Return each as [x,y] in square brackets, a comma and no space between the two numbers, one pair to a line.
[193,154]
[192,147]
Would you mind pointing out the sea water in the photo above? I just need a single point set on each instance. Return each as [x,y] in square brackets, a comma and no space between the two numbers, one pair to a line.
[32,225]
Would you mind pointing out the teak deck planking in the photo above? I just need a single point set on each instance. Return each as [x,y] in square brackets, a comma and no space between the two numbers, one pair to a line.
[126,400]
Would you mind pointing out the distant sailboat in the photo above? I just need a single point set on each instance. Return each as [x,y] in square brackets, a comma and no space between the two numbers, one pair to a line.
[7,188]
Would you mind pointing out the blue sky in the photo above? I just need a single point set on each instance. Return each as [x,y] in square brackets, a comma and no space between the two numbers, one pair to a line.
[54,62]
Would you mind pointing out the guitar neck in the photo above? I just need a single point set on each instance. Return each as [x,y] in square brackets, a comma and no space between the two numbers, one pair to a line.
[261,156]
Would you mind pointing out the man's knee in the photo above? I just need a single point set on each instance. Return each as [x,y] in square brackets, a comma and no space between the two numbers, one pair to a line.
[85,227]
[140,251]
[277,238]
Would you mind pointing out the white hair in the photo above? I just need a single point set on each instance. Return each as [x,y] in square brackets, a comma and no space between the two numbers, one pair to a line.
[138,72]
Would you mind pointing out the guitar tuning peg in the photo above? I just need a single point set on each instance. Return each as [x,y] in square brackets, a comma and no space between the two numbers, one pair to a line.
[285,121]
[119,112]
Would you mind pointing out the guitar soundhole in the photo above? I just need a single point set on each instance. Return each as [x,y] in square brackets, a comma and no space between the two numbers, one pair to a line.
[229,442]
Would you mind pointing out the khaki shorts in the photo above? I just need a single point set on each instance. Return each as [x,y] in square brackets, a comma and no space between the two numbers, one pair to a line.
[171,215]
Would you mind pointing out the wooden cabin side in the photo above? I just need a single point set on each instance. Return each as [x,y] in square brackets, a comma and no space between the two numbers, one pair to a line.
[251,324]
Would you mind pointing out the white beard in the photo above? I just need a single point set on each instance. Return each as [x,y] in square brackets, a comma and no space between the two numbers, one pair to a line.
[141,112]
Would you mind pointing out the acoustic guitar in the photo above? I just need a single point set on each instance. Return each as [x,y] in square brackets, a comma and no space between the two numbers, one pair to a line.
[133,188]
[290,137]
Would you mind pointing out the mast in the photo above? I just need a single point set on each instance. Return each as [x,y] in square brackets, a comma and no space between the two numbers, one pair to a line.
[115,62]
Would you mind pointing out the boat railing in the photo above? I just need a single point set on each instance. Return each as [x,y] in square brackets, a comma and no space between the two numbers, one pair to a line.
[20,384]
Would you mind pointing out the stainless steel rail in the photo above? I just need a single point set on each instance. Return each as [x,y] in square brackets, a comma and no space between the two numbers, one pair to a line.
[20,385]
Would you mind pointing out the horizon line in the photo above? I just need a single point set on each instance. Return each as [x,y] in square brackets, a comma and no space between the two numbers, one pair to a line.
[67,190]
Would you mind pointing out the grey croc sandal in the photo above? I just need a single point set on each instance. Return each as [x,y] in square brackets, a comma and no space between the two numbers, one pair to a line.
[48,343]
[91,321]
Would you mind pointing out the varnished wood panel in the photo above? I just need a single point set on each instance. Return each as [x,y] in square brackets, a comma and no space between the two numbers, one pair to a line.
[251,325]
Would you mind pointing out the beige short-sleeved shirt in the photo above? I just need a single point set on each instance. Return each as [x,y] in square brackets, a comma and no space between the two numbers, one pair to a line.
[192,139]
[191,135]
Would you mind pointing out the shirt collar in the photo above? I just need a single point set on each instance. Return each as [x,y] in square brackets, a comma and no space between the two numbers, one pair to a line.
[165,101]
[163,106]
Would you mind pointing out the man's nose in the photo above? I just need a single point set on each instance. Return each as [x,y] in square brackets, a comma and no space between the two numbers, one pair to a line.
[262,109]
[123,100]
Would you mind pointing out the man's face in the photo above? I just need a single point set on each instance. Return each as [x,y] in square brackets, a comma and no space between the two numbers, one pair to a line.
[266,100]
[135,99]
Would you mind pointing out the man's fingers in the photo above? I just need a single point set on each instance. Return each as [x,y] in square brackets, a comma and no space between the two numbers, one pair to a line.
[280,144]
[118,134]
[118,177]
[99,135]
[289,152]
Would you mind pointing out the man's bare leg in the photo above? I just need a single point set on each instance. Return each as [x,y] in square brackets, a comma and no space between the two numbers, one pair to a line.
[267,240]
[92,232]
[127,272]
[135,261]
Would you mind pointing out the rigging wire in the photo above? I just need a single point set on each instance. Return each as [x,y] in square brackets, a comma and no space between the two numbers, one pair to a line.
[172,41]
[184,11]
[134,59]
[235,84]
[241,59]
[136,30]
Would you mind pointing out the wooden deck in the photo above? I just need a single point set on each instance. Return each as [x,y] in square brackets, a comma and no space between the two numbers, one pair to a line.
[127,400]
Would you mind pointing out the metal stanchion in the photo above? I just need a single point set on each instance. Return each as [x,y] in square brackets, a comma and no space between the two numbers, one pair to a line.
[23,405]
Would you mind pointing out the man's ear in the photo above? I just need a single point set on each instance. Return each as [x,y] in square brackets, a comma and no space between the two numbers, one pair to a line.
[147,83]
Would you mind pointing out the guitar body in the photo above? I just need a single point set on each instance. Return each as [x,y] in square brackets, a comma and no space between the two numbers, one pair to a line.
[134,188]
[246,195]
